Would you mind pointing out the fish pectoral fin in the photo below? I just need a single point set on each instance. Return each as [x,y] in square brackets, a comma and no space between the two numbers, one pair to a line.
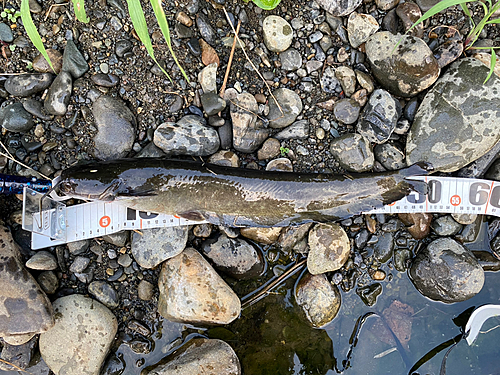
[192,215]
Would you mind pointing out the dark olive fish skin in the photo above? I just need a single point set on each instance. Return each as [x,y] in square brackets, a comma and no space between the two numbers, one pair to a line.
[237,196]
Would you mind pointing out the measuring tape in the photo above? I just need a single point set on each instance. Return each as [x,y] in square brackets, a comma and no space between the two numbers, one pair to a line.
[58,224]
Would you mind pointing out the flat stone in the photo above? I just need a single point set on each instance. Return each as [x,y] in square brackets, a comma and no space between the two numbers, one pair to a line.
[270,149]
[446,226]
[16,119]
[320,299]
[79,342]
[73,61]
[6,33]
[212,103]
[329,248]
[158,244]
[189,136]
[25,310]
[298,130]
[105,80]
[48,281]
[104,293]
[192,292]
[116,128]
[353,152]
[208,78]
[290,104]
[278,33]
[35,108]
[280,165]
[200,356]
[206,31]
[406,71]
[346,111]
[59,94]
[28,84]
[265,236]
[360,27]
[43,261]
[339,7]
[457,121]
[291,59]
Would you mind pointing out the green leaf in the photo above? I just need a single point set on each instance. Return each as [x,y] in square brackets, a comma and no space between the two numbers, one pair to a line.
[141,28]
[267,4]
[79,7]
[32,32]
[496,20]
[162,22]
[492,65]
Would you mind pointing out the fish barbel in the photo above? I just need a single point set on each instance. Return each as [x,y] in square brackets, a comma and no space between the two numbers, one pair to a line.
[237,196]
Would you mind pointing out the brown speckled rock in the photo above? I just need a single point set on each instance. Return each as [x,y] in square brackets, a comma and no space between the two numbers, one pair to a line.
[329,248]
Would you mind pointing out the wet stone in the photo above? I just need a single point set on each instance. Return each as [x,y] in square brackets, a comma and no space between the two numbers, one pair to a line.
[346,111]
[353,152]
[277,33]
[464,218]
[410,69]
[409,13]
[116,128]
[329,248]
[445,226]
[35,108]
[158,244]
[42,261]
[105,80]
[280,164]
[446,271]
[248,132]
[73,61]
[360,27]
[19,356]
[79,264]
[188,284]
[212,103]
[319,299]
[270,149]
[206,31]
[234,256]
[418,224]
[379,117]
[80,340]
[265,236]
[41,65]
[57,99]
[457,121]
[386,4]
[104,293]
[28,84]
[200,356]
[15,118]
[123,47]
[225,158]
[339,8]
[78,247]
[291,59]
[202,230]
[391,156]
[369,294]
[290,104]
[448,52]
[298,130]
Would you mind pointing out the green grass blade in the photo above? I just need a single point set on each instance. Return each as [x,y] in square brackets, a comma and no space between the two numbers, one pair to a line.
[141,28]
[466,10]
[79,7]
[492,65]
[497,20]
[162,22]
[32,32]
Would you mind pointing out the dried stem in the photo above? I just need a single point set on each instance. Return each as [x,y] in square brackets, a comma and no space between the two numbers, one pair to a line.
[226,76]
[14,366]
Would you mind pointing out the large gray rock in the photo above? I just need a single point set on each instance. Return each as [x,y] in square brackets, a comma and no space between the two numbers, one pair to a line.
[201,356]
[458,120]
[248,131]
[291,106]
[329,248]
[79,342]
[446,271]
[319,298]
[158,244]
[25,310]
[192,292]
[405,71]
[189,136]
[339,7]
[116,128]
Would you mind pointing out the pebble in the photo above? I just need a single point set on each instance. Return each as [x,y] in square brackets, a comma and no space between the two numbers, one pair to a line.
[264,236]
[464,218]
[390,155]
[290,104]
[73,61]
[201,356]
[158,244]
[6,33]
[379,117]
[386,4]
[123,47]
[207,78]
[360,27]
[183,32]
[329,248]
[270,149]
[17,355]
[291,59]
[212,103]
[298,130]
[446,226]
[124,260]
[105,80]
[195,48]
[280,164]
[208,54]
[79,264]
[339,8]
[277,33]
[329,82]
[104,293]
[365,81]
[189,136]
[42,261]
[42,66]
[145,290]
[347,79]
[48,281]
[225,158]
[446,271]
[418,224]
[81,338]
[188,284]
[410,69]
[206,31]
[116,128]
[409,13]
[346,111]
[319,299]
[234,256]
[313,65]
[57,99]
[248,131]
[203,230]
[35,108]
[184,19]
[15,118]
[353,152]
[28,84]
[118,239]
[369,294]
[78,247]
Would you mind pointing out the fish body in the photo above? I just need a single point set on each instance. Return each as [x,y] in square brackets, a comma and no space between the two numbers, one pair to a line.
[237,196]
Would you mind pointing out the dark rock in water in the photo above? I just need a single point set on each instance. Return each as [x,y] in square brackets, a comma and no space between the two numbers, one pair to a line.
[234,256]
[200,356]
[25,310]
[58,96]
[116,128]
[458,120]
[402,258]
[320,299]
[391,156]
[15,118]
[369,294]
[114,365]
[383,248]
[446,271]
[419,224]
[353,152]
[487,260]
[484,164]
[248,132]
[379,117]
[73,61]
[446,226]
[410,69]
[339,7]
[28,84]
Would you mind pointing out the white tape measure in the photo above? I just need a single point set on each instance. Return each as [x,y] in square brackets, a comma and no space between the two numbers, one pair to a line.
[59,224]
